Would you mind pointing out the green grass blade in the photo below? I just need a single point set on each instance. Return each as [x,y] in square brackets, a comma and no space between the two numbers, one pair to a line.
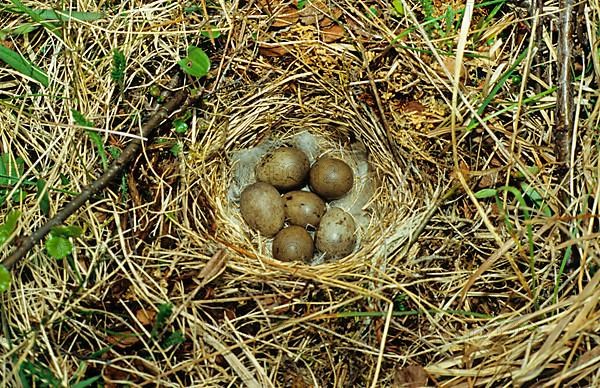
[65,15]
[507,74]
[20,7]
[22,65]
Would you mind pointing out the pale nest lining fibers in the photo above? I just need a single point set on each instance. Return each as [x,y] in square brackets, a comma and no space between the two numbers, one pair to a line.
[380,201]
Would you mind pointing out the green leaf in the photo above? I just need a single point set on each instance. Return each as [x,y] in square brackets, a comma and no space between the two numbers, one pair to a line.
[65,15]
[536,197]
[32,371]
[180,126]
[80,119]
[212,32]
[22,65]
[486,193]
[176,149]
[196,63]
[5,278]
[118,68]
[175,338]
[66,231]
[10,223]
[22,29]
[45,199]
[59,247]
[301,4]
[398,7]
[20,7]
[164,312]
[10,169]
[372,12]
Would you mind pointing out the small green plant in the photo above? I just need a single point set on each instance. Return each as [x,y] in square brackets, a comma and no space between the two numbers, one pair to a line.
[118,68]
[400,302]
[93,135]
[44,198]
[31,373]
[58,244]
[180,126]
[164,312]
[196,63]
[176,149]
[6,229]
[11,170]
[175,338]
[501,81]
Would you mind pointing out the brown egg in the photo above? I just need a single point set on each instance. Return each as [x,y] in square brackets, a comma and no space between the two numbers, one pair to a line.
[262,208]
[303,208]
[286,168]
[336,234]
[293,243]
[331,178]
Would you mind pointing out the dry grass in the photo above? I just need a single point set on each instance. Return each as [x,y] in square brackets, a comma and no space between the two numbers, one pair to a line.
[477,292]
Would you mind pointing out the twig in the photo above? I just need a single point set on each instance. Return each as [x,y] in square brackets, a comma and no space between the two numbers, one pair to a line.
[564,100]
[99,184]
[564,114]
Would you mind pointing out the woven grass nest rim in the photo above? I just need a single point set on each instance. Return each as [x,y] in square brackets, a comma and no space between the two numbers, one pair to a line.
[392,208]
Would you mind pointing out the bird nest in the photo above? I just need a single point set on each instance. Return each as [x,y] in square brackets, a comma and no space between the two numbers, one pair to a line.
[472,268]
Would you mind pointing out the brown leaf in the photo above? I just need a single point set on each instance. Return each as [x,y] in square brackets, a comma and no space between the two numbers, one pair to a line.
[312,12]
[123,340]
[412,376]
[450,63]
[272,51]
[414,106]
[326,22]
[110,374]
[145,316]
[332,33]
[214,267]
[285,17]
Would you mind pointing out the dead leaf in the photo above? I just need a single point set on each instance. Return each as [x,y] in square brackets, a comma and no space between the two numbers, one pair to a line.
[332,33]
[449,63]
[123,340]
[145,316]
[414,106]
[412,376]
[326,22]
[312,12]
[273,51]
[110,374]
[285,17]
[214,267]
[587,357]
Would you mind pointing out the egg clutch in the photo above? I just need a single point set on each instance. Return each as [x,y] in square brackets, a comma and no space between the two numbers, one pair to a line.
[276,206]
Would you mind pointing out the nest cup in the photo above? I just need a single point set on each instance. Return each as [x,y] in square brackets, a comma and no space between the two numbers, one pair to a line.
[381,201]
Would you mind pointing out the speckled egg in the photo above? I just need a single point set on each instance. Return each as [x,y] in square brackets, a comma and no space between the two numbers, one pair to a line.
[331,178]
[303,208]
[336,235]
[262,208]
[293,243]
[286,168]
